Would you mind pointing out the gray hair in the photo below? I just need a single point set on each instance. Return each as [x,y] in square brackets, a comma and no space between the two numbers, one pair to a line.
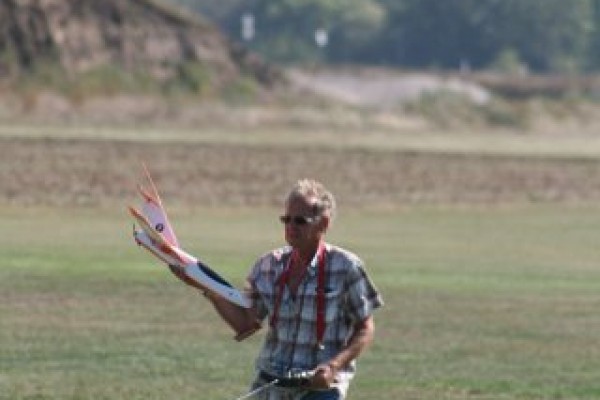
[309,189]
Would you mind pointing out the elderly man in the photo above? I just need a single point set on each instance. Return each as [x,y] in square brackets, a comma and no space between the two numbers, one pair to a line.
[316,299]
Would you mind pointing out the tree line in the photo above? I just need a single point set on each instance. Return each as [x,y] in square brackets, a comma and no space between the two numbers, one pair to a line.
[545,36]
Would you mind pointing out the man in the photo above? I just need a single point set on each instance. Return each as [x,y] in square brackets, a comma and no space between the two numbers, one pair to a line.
[317,300]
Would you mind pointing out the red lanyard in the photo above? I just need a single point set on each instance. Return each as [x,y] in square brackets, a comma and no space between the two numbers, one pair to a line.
[283,280]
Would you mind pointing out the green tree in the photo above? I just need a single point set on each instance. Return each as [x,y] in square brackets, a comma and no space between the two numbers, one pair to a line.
[545,35]
[426,33]
[548,35]
[593,53]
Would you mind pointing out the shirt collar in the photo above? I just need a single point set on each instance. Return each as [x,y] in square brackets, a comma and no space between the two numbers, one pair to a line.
[314,263]
[312,267]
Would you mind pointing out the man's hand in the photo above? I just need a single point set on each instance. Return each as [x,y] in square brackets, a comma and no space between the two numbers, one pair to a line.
[362,336]
[324,376]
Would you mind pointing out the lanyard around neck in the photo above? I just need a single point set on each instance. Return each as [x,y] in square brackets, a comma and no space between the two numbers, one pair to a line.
[320,303]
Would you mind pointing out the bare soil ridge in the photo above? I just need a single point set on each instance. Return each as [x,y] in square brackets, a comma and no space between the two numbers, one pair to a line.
[63,172]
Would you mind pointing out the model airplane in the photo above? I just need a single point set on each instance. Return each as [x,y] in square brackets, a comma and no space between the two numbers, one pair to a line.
[156,235]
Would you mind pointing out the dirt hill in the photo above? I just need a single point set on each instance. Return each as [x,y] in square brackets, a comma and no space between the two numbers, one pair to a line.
[139,35]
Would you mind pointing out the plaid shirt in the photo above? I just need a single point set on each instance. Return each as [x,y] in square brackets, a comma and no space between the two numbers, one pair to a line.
[291,345]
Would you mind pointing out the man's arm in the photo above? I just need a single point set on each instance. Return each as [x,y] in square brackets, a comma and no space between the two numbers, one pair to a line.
[359,341]
[242,320]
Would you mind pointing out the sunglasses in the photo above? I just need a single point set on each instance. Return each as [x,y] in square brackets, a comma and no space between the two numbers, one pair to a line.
[298,219]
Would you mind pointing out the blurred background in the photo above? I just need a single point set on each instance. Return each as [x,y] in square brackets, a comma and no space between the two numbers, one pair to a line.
[515,78]
[460,137]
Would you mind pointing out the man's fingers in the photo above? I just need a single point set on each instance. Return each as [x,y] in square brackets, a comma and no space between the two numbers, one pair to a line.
[322,378]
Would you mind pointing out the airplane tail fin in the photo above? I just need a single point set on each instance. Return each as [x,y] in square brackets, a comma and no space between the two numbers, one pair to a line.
[155,212]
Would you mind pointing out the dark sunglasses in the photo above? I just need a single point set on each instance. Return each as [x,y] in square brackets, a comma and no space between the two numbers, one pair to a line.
[298,219]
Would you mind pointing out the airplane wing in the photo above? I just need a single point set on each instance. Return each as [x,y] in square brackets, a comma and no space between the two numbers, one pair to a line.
[203,277]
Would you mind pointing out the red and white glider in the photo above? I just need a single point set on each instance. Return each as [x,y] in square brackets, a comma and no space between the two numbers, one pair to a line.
[157,236]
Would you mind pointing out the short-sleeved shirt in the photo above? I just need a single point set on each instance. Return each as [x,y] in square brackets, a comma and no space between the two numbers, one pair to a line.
[291,345]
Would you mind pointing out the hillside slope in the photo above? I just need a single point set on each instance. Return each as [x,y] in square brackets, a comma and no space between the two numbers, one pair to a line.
[144,36]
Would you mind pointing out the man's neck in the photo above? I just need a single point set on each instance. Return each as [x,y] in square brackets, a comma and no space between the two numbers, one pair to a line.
[304,256]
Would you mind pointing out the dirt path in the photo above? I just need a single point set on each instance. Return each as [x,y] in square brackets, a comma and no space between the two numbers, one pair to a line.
[378,88]
[86,172]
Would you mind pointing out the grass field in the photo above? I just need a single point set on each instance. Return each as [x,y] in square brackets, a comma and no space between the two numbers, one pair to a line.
[481,303]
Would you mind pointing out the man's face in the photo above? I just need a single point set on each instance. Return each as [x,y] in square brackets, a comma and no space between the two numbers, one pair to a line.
[303,229]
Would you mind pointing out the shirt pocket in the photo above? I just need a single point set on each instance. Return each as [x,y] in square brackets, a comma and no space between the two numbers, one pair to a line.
[334,298]
[334,301]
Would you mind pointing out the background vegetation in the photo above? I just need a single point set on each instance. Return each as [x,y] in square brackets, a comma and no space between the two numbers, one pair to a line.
[538,35]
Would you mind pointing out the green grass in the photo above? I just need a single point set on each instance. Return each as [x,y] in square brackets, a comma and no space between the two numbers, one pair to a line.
[481,303]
